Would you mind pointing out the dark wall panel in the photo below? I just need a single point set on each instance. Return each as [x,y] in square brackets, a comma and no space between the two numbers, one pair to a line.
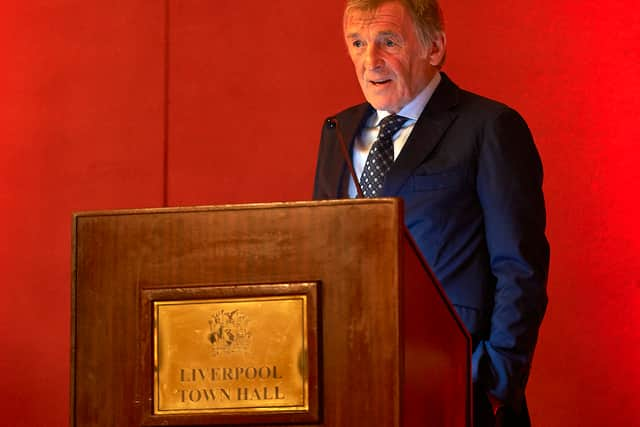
[81,116]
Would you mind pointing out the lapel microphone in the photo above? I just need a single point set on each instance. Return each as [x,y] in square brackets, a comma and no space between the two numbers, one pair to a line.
[332,123]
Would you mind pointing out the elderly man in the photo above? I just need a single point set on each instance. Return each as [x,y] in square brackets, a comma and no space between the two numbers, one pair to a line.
[470,177]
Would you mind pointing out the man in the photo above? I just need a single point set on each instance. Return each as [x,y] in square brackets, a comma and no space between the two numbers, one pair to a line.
[470,177]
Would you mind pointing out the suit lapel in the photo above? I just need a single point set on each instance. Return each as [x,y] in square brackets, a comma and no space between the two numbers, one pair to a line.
[350,123]
[427,133]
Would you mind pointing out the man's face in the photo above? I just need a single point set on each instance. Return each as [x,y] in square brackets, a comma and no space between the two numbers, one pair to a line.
[391,64]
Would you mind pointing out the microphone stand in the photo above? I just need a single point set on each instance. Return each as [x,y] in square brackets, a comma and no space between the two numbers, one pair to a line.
[333,123]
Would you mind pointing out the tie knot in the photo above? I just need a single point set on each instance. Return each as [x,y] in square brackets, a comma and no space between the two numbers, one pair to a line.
[390,125]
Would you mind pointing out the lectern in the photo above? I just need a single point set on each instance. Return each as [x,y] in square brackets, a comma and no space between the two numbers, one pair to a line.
[287,314]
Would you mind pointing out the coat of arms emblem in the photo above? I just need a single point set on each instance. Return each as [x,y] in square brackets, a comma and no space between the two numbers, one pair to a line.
[229,332]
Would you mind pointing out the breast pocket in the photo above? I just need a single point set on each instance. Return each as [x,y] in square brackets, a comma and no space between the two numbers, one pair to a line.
[448,179]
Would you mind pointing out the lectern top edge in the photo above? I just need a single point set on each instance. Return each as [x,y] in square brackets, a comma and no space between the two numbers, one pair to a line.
[239,207]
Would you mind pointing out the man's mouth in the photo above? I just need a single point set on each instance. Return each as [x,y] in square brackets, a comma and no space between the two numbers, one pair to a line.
[379,82]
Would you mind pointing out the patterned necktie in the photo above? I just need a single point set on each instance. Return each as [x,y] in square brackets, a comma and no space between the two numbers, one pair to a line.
[380,157]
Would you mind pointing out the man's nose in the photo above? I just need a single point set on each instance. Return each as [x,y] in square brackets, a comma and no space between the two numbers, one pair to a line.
[372,57]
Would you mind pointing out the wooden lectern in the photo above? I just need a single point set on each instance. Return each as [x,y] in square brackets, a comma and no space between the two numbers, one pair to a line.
[308,313]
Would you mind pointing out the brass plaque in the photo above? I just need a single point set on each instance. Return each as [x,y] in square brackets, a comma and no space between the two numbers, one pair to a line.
[231,355]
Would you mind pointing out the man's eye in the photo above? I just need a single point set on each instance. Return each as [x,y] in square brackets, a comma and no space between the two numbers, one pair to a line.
[389,43]
[358,43]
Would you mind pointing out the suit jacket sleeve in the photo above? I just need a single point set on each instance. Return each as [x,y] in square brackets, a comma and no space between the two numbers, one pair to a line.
[509,188]
[330,166]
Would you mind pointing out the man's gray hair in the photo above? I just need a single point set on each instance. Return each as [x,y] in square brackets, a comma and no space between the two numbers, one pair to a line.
[426,15]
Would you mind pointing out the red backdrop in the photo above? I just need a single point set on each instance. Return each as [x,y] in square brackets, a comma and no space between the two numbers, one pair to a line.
[96,95]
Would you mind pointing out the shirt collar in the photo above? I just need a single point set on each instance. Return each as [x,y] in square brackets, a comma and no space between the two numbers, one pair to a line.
[415,107]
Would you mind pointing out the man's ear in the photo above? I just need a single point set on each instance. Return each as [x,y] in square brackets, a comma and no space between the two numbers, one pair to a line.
[438,50]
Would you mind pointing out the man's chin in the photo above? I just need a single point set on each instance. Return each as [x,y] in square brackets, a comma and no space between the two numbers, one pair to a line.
[383,98]
[382,104]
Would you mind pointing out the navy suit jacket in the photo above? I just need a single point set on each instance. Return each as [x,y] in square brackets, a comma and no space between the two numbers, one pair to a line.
[471,180]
